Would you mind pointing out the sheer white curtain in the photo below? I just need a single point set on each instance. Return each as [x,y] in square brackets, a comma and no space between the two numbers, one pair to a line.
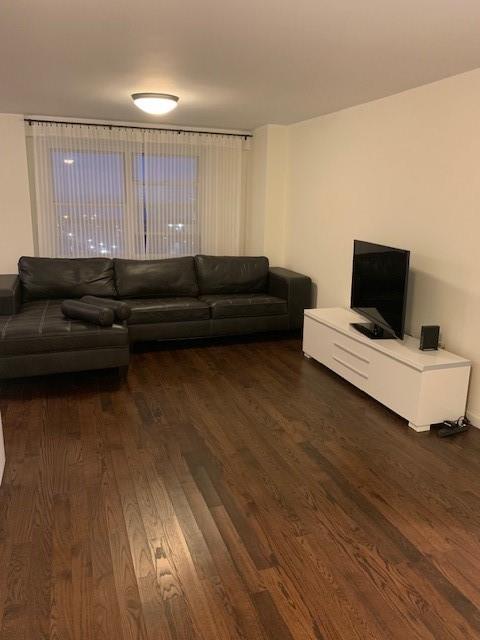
[194,193]
[137,193]
[86,203]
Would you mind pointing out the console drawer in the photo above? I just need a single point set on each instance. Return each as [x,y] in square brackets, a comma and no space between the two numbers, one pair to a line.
[348,359]
[336,351]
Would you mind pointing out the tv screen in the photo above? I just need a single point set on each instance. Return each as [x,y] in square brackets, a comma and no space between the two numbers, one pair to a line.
[379,287]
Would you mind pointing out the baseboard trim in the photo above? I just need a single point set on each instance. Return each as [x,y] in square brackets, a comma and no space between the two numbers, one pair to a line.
[474,419]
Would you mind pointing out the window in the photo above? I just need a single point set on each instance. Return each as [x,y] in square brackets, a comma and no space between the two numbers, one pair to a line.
[89,202]
[134,193]
[167,185]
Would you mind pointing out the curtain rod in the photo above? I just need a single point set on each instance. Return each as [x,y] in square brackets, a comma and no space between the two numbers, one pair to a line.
[125,126]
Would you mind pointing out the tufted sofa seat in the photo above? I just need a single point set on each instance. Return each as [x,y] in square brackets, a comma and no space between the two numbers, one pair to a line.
[245,305]
[41,327]
[176,309]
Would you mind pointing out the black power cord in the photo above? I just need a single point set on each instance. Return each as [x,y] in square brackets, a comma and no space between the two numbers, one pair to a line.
[452,427]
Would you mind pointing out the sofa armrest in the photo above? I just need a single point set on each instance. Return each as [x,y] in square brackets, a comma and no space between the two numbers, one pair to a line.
[293,287]
[10,294]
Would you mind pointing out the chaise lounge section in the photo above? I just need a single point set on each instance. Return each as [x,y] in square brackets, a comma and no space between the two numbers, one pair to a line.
[170,299]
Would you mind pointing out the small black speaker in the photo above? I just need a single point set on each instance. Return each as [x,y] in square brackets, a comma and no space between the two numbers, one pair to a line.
[429,337]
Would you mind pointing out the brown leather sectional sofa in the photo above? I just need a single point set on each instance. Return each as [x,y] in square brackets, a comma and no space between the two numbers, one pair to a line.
[175,298]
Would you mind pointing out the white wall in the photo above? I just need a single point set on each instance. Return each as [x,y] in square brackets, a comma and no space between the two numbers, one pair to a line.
[16,237]
[257,185]
[266,219]
[404,171]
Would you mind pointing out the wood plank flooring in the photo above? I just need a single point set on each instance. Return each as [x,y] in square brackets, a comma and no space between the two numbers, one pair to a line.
[231,491]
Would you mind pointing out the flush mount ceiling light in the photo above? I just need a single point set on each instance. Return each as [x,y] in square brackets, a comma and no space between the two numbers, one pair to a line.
[155,103]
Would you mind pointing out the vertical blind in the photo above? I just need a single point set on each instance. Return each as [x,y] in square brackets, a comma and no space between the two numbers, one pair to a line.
[136,193]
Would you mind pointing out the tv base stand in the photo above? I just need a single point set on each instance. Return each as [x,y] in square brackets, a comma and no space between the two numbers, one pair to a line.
[372,331]
[425,387]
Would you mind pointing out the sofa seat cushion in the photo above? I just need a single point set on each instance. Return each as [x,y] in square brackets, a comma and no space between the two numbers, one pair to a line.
[180,309]
[244,305]
[41,327]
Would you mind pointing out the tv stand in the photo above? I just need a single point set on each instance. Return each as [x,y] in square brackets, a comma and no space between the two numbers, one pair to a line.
[373,331]
[425,387]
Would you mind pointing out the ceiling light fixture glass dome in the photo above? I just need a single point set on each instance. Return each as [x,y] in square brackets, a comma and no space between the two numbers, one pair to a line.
[156,104]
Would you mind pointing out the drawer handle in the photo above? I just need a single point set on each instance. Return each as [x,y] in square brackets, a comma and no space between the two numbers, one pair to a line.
[352,353]
[348,366]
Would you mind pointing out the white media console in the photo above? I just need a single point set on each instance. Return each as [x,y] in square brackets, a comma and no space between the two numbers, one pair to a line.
[424,387]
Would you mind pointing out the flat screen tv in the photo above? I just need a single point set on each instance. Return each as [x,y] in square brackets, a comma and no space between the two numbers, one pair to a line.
[379,288]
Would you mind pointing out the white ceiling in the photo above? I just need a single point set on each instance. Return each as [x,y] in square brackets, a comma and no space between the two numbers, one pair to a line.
[234,63]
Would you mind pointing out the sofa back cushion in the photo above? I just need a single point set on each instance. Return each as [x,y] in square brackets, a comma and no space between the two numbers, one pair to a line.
[156,278]
[229,274]
[66,277]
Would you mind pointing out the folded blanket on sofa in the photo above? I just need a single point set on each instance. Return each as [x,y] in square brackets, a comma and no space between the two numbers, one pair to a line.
[121,309]
[78,310]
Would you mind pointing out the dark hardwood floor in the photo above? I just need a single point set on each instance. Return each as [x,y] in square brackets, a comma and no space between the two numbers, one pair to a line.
[231,491]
